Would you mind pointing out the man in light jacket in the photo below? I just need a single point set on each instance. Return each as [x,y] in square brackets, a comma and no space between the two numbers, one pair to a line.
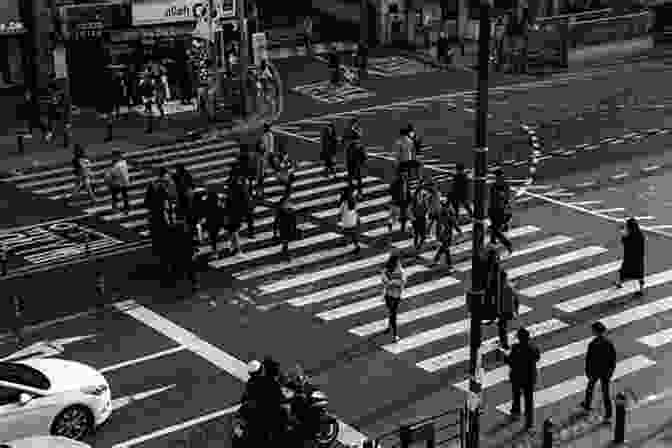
[404,148]
[118,180]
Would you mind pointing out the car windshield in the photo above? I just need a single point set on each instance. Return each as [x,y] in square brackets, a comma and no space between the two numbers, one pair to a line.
[23,374]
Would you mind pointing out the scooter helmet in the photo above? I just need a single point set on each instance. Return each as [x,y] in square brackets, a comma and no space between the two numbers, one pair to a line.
[253,366]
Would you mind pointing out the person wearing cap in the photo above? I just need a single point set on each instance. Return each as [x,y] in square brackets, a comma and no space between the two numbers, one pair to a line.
[600,366]
[522,361]
[499,210]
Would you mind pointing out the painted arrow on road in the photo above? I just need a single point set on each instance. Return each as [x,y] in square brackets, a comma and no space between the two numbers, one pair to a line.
[121,402]
[45,349]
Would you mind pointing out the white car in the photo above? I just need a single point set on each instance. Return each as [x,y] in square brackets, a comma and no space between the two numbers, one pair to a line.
[48,396]
[45,442]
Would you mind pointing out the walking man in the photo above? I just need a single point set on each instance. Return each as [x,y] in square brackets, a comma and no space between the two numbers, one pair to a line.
[499,210]
[459,195]
[523,361]
[600,366]
[394,280]
[355,160]
[404,148]
[445,225]
[329,149]
[509,311]
[118,180]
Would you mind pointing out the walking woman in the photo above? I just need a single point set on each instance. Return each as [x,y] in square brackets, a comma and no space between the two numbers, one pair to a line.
[329,149]
[633,255]
[394,280]
[350,217]
[284,225]
[434,208]
[82,168]
[214,220]
[234,213]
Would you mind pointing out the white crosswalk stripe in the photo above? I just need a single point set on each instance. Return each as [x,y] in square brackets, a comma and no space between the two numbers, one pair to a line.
[564,273]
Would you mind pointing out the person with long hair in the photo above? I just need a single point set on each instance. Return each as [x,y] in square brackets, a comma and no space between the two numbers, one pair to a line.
[632,267]
[393,280]
[350,217]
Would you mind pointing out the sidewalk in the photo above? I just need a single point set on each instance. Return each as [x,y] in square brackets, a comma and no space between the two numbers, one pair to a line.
[129,134]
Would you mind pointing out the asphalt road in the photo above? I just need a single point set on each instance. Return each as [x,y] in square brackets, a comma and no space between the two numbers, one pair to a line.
[322,308]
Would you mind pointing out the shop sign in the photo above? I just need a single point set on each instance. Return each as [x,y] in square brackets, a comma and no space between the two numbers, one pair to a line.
[152,12]
[12,27]
[94,16]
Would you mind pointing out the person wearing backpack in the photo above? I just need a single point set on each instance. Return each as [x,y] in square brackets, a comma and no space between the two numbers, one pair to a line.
[420,210]
[118,180]
[350,220]
[284,225]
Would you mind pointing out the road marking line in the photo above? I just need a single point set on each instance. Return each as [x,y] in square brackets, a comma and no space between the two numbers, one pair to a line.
[571,279]
[650,168]
[657,339]
[362,205]
[578,384]
[462,354]
[587,184]
[42,224]
[187,339]
[548,263]
[619,176]
[611,293]
[582,203]
[120,402]
[645,218]
[661,227]
[323,295]
[536,246]
[610,210]
[409,292]
[131,362]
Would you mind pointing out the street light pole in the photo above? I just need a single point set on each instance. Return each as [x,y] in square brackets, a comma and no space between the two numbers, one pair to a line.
[477,293]
[244,56]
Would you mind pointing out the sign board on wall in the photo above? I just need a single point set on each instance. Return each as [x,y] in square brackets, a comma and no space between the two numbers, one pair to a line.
[153,12]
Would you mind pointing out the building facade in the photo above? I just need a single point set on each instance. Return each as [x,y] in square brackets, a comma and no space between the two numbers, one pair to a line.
[12,44]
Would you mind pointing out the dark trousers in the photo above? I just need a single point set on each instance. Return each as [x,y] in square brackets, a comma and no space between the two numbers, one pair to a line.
[444,249]
[249,219]
[355,175]
[410,167]
[328,164]
[116,191]
[502,327]
[606,398]
[457,201]
[497,223]
[213,234]
[527,391]
[392,309]
[419,231]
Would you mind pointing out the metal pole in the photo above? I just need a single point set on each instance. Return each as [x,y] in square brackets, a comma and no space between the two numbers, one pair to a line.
[244,45]
[480,172]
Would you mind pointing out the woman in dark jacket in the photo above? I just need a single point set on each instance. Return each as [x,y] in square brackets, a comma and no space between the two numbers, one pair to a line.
[633,255]
[329,149]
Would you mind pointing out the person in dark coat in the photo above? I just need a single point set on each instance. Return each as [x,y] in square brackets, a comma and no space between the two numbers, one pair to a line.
[214,220]
[29,112]
[184,183]
[446,225]
[600,366]
[509,310]
[157,198]
[355,160]
[401,195]
[633,255]
[284,225]
[235,209]
[329,149]
[523,361]
[459,195]
[499,210]
[182,251]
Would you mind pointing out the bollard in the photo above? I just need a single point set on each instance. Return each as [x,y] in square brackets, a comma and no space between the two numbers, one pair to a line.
[4,258]
[547,436]
[619,427]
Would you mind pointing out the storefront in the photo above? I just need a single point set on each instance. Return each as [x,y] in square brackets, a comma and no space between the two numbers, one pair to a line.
[12,33]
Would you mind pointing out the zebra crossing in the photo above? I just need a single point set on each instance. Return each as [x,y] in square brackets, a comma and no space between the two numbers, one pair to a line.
[555,271]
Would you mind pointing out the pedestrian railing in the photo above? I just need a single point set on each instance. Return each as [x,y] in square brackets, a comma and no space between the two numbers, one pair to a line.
[434,431]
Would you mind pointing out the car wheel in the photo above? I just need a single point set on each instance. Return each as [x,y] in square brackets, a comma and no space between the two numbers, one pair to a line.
[74,422]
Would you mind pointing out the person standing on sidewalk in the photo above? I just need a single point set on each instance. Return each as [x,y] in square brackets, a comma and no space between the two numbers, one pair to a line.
[459,195]
[83,174]
[632,267]
[400,203]
[393,280]
[284,225]
[329,148]
[350,220]
[523,361]
[600,366]
[118,180]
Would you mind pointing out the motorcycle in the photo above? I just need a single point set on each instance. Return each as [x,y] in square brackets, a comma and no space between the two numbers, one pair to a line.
[309,419]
